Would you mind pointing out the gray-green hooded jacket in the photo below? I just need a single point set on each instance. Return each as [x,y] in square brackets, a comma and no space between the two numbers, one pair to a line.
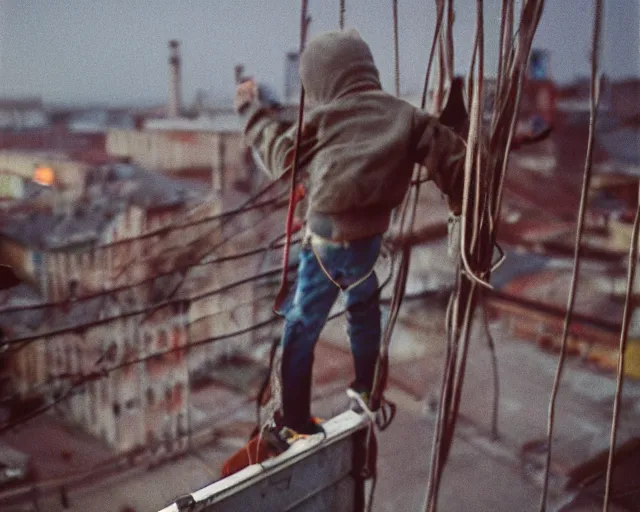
[359,143]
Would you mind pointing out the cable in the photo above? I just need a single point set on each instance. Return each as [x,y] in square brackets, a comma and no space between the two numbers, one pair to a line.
[199,258]
[163,230]
[494,366]
[436,35]
[396,48]
[7,343]
[53,378]
[517,77]
[626,319]
[483,178]
[115,462]
[102,293]
[99,374]
[203,238]
[141,311]
[438,94]
[283,290]
[124,287]
[382,364]
[595,98]
[81,379]
[41,410]
[284,287]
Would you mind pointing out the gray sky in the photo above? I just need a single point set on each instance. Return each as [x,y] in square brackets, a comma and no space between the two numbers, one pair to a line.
[115,51]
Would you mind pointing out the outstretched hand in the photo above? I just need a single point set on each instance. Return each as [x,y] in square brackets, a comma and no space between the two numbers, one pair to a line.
[246,93]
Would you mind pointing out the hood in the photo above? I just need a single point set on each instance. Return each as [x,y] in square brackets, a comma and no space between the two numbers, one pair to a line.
[335,64]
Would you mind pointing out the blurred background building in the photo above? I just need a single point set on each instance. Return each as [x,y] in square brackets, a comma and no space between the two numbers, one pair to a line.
[143,271]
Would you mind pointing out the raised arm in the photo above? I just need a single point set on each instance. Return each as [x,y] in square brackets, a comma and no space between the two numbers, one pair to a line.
[270,139]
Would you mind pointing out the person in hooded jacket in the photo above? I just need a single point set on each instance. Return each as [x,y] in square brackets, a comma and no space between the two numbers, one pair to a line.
[358,150]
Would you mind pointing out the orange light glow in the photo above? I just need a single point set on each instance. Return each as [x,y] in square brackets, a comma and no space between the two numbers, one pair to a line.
[44,176]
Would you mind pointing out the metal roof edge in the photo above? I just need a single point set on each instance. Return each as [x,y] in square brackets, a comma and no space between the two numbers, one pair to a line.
[337,429]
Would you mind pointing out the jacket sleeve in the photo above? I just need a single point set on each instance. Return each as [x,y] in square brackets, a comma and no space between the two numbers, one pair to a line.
[271,140]
[442,152]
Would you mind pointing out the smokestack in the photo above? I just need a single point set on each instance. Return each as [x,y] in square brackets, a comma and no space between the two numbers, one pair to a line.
[291,77]
[238,73]
[174,106]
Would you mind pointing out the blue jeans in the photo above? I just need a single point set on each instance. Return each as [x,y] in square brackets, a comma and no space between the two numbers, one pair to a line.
[307,313]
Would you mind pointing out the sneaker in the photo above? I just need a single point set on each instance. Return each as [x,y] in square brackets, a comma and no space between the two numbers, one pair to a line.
[311,427]
[279,436]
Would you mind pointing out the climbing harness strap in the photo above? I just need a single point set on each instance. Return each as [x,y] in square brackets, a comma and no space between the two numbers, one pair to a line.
[381,417]
[312,238]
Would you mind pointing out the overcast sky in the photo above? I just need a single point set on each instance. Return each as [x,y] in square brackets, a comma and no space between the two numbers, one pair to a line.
[115,51]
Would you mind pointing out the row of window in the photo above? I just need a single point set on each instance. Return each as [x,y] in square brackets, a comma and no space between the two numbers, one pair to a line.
[173,395]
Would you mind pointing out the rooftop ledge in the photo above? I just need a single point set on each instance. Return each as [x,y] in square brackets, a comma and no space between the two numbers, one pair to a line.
[312,475]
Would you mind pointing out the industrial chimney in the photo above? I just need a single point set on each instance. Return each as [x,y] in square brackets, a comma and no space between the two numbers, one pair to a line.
[173,108]
[291,77]
[238,73]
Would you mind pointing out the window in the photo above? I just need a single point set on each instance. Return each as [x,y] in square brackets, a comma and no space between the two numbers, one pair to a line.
[151,397]
[69,359]
[93,405]
[163,341]
[78,367]
[110,351]
[73,288]
[59,358]
[181,425]
[44,176]
[148,343]
[53,284]
[176,337]
[178,393]
[104,391]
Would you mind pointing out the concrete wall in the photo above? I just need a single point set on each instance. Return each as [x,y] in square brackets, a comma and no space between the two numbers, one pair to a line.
[165,379]
[171,151]
[129,407]
[145,404]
